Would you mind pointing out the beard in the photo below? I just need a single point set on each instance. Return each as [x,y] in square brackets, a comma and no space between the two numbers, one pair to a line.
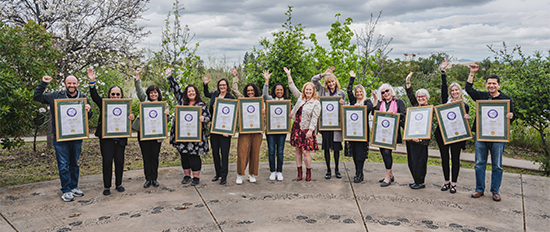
[71,92]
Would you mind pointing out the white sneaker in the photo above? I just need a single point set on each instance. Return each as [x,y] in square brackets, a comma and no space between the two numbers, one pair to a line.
[77,192]
[279,176]
[67,197]
[272,176]
[239,179]
[252,178]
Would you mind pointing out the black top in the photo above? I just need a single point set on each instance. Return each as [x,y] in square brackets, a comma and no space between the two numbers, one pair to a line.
[445,92]
[414,102]
[401,109]
[99,102]
[480,95]
[213,96]
[353,100]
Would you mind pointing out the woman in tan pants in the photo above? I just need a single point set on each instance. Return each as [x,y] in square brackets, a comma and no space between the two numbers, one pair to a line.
[248,146]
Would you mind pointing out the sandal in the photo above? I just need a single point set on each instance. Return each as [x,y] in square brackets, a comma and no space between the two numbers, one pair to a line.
[446,186]
[453,189]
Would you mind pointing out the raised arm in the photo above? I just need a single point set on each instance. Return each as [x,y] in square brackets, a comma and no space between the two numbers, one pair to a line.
[139,90]
[317,78]
[174,86]
[235,85]
[444,87]
[205,90]
[265,90]
[352,99]
[410,91]
[295,91]
[474,94]
[39,95]
[93,91]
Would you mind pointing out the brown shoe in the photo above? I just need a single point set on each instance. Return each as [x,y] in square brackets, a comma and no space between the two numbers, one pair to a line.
[477,194]
[496,197]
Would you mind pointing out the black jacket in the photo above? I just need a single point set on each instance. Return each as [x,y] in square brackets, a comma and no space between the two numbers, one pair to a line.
[213,96]
[99,102]
[479,95]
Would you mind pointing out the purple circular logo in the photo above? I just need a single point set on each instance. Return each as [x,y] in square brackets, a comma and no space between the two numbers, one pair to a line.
[188,117]
[250,109]
[492,114]
[278,111]
[385,123]
[153,114]
[117,111]
[451,115]
[71,112]
[225,110]
[354,117]
[330,107]
[418,116]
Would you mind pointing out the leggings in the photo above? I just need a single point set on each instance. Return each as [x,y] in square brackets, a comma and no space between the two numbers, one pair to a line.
[192,162]
[150,150]
[336,159]
[455,156]
[387,157]
[360,152]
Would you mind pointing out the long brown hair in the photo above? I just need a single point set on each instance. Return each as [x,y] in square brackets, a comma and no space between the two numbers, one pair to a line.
[314,91]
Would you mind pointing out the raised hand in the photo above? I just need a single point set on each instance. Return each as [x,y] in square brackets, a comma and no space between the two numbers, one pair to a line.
[408,79]
[267,75]
[474,68]
[168,72]
[235,73]
[374,95]
[138,71]
[91,75]
[207,79]
[329,71]
[46,79]
[352,73]
[287,71]
[444,65]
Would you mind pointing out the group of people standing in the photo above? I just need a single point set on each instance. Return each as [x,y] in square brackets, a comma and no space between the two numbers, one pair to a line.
[305,114]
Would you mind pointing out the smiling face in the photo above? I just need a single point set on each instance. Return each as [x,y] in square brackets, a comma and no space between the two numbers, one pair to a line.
[308,91]
[279,91]
[422,99]
[154,95]
[492,85]
[115,93]
[191,94]
[222,86]
[71,83]
[386,94]
[455,93]
[359,94]
[331,84]
[250,91]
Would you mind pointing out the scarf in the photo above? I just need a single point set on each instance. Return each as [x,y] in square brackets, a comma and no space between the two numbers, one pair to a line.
[393,106]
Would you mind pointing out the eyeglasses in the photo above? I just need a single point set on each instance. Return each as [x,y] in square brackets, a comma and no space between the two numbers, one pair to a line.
[385,91]
[420,96]
[220,85]
[115,94]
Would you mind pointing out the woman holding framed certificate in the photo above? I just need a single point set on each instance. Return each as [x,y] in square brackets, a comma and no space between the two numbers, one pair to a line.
[391,104]
[219,142]
[332,139]
[112,149]
[276,142]
[150,149]
[360,150]
[305,115]
[454,94]
[248,146]
[417,149]
[190,152]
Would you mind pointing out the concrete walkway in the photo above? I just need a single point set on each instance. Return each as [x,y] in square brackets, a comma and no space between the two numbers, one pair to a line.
[468,157]
[289,205]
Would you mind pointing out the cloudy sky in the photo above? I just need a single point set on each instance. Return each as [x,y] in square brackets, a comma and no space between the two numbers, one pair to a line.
[462,28]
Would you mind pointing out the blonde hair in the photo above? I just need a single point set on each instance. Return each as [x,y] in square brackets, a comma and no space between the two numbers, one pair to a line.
[330,77]
[359,86]
[460,95]
[304,90]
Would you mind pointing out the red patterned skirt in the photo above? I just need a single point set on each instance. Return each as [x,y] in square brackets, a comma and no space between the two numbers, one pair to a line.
[298,137]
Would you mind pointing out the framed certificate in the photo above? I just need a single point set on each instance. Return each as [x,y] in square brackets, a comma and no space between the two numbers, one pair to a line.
[418,123]
[188,127]
[354,123]
[329,120]
[224,118]
[384,129]
[492,125]
[71,119]
[152,120]
[251,119]
[452,124]
[278,121]
[115,113]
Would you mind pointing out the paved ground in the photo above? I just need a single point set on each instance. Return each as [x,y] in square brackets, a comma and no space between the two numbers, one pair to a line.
[290,205]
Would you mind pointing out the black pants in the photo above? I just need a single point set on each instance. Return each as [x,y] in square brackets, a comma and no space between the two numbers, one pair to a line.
[387,157]
[455,156]
[360,152]
[219,142]
[192,162]
[112,150]
[417,156]
[150,150]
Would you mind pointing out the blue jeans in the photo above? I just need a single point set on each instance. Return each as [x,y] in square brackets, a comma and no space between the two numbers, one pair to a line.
[482,153]
[277,140]
[67,154]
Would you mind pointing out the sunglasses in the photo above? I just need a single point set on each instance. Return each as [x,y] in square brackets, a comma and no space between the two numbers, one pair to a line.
[115,94]
[386,91]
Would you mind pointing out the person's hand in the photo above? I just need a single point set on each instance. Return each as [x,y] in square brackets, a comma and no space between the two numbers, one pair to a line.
[417,140]
[201,118]
[235,73]
[408,79]
[467,116]
[329,71]
[309,134]
[374,96]
[225,135]
[131,117]
[207,79]
[352,73]
[357,104]
[510,115]
[290,115]
[267,75]
[91,75]
[263,111]
[88,107]
[342,101]
[168,72]
[444,65]
[474,68]
[46,79]
[167,111]
[287,71]
[138,71]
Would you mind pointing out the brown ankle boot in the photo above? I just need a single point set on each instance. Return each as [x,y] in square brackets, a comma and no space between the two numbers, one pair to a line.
[308,174]
[299,173]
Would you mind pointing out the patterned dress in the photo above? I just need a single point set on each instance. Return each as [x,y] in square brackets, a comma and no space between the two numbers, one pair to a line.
[298,137]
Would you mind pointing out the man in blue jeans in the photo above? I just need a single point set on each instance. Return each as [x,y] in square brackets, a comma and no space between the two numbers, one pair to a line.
[492,84]
[68,152]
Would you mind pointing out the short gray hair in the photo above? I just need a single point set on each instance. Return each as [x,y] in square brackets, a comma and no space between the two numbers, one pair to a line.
[423,92]
[386,86]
